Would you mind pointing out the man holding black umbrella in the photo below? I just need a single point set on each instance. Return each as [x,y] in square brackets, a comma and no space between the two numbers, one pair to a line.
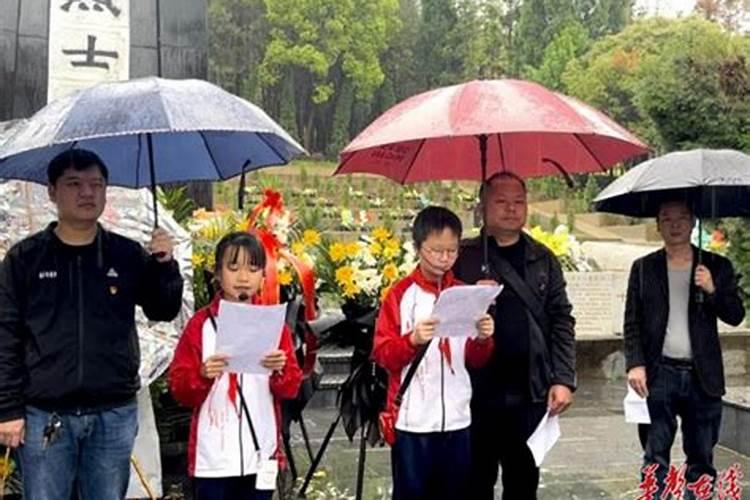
[675,296]
[532,368]
[69,355]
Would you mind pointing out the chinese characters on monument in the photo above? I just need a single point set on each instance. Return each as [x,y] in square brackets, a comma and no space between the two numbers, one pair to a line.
[89,42]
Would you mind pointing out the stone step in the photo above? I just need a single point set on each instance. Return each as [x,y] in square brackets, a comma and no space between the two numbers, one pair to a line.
[335,360]
[336,365]
[325,396]
[735,421]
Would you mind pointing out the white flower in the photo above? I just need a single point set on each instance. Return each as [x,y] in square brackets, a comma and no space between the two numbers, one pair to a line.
[367,279]
[282,226]
[365,255]
[363,219]
[347,219]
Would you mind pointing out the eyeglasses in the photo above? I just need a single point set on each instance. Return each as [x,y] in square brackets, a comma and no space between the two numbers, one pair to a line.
[440,252]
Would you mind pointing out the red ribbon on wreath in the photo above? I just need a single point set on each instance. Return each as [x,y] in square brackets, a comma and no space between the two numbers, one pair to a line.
[275,250]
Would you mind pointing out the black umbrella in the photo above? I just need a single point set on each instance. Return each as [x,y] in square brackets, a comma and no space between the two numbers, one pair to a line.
[714,183]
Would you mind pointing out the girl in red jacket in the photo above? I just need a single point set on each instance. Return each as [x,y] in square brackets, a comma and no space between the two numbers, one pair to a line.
[233,414]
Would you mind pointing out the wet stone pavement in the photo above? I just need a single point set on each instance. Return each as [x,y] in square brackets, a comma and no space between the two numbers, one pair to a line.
[597,457]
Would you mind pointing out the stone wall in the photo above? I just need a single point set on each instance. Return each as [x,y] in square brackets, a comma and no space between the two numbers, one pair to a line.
[598,300]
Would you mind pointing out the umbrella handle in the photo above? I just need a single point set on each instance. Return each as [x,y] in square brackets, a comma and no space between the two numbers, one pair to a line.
[152,170]
[699,295]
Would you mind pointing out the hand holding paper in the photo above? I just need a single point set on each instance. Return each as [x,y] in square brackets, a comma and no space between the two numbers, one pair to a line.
[423,331]
[636,408]
[214,366]
[274,360]
[460,307]
[485,327]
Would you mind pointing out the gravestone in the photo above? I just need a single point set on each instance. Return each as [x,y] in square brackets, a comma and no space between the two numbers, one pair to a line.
[168,38]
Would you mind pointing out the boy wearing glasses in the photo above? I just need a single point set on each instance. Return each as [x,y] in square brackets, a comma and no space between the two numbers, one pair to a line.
[431,455]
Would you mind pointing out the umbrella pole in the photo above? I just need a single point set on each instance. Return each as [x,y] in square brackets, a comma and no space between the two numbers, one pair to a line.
[241,192]
[699,294]
[485,238]
[153,178]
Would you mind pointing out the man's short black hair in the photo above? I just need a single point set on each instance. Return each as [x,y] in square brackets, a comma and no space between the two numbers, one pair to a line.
[675,200]
[501,175]
[434,220]
[229,246]
[77,159]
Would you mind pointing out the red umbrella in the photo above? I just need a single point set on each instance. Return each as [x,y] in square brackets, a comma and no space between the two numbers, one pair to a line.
[523,127]
[474,130]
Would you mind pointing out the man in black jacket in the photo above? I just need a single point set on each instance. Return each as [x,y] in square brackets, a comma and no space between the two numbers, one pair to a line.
[69,354]
[532,368]
[672,344]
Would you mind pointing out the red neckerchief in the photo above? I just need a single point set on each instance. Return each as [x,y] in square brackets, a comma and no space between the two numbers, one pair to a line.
[446,281]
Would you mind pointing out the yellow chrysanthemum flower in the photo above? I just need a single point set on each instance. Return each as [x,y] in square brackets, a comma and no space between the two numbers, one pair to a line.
[337,251]
[390,273]
[352,249]
[310,237]
[376,248]
[198,260]
[344,275]
[350,290]
[285,277]
[243,225]
[298,248]
[381,233]
[391,249]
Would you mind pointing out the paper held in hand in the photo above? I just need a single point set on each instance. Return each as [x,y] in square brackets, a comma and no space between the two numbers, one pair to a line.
[636,408]
[459,308]
[247,333]
[544,437]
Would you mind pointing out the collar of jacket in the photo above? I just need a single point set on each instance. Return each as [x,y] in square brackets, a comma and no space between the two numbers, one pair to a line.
[661,254]
[534,249]
[419,278]
[662,267]
[101,235]
[213,307]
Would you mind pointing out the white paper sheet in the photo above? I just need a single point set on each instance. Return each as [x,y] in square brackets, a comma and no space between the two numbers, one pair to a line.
[458,308]
[636,408]
[247,332]
[544,437]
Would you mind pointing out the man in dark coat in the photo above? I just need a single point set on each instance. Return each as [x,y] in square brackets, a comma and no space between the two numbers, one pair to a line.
[532,369]
[69,354]
[672,344]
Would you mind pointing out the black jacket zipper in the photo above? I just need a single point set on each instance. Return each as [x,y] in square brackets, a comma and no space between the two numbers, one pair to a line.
[80,320]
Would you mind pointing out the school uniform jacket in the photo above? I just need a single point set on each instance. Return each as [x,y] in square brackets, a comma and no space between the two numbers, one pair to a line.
[438,397]
[220,443]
